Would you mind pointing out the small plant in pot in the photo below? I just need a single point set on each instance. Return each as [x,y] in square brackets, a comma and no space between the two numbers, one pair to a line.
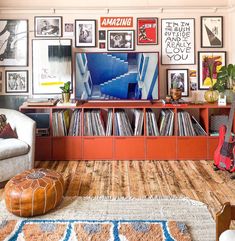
[66,92]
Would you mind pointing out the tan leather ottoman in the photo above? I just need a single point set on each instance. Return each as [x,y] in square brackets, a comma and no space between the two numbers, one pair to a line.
[34,192]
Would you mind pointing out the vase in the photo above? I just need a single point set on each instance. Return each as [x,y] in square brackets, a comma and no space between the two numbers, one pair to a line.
[66,97]
[211,96]
[175,93]
[229,95]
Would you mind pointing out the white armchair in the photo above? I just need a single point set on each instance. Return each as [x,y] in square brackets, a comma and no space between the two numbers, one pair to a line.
[17,155]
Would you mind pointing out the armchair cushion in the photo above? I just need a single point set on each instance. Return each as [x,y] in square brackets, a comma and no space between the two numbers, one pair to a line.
[228,235]
[3,120]
[12,148]
[7,132]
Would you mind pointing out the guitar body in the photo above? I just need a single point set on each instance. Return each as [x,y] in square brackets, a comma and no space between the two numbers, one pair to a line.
[222,131]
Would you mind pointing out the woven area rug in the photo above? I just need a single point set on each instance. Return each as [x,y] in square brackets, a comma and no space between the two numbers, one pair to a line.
[119,219]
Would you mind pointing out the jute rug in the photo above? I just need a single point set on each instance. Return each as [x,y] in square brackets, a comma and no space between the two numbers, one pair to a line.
[137,213]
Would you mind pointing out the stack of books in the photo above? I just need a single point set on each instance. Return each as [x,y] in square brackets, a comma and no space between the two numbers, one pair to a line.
[166,122]
[60,122]
[75,123]
[151,123]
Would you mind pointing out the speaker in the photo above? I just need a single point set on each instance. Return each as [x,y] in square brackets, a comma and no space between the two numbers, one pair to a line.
[42,119]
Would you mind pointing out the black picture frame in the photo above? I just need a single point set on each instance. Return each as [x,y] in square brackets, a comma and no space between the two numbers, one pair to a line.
[171,55]
[201,55]
[102,34]
[16,81]
[211,31]
[179,75]
[85,33]
[48,26]
[121,40]
[14,36]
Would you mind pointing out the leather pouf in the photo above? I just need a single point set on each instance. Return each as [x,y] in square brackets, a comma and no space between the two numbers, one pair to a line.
[34,192]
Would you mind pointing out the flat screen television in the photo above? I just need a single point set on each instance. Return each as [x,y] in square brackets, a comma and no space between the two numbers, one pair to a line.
[117,76]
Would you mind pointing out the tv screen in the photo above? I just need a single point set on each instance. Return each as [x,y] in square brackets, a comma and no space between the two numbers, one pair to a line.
[117,76]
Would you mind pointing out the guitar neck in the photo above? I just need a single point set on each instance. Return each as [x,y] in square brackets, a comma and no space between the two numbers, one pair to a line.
[230,122]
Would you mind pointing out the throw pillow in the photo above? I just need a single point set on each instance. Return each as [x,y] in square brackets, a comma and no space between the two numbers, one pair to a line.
[7,132]
[3,121]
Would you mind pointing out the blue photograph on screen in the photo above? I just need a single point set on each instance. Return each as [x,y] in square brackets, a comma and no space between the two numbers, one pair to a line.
[116,76]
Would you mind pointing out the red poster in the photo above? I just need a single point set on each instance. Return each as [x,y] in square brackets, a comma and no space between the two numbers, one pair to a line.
[147,31]
[116,22]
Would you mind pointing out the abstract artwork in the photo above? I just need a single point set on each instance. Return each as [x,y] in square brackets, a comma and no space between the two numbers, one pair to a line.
[207,60]
[147,31]
[13,42]
[52,65]
[48,26]
[16,81]
[212,32]
[178,41]
[85,33]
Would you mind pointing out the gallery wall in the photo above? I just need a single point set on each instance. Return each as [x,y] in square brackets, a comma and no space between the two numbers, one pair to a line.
[29,11]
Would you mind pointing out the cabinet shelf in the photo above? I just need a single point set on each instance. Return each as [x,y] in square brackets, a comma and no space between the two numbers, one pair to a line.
[144,146]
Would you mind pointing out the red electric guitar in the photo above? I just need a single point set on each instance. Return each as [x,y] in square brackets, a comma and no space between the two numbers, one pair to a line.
[224,153]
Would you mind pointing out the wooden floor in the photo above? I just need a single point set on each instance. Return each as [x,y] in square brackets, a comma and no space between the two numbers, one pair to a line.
[193,179]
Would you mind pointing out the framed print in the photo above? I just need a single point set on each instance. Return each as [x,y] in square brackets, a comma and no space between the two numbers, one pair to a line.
[147,31]
[16,81]
[102,35]
[52,65]
[68,29]
[179,78]
[212,32]
[48,26]
[217,59]
[119,40]
[85,33]
[178,41]
[13,42]
[102,45]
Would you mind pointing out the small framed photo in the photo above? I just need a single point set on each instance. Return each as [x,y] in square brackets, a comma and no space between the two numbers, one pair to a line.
[212,32]
[119,40]
[47,26]
[179,78]
[102,45]
[219,60]
[16,81]
[85,33]
[147,31]
[68,29]
[102,35]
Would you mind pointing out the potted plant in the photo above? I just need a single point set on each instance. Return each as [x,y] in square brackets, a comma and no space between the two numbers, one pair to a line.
[226,81]
[66,92]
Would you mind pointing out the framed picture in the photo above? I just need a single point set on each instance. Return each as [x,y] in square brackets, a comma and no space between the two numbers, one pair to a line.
[48,26]
[212,32]
[102,35]
[85,33]
[16,81]
[102,45]
[52,65]
[147,31]
[178,41]
[178,77]
[218,58]
[119,40]
[68,29]
[13,42]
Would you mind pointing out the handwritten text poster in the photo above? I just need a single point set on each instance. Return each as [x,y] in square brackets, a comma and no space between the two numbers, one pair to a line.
[178,41]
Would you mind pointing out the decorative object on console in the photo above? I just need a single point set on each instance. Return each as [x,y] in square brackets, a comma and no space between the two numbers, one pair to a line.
[52,65]
[66,91]
[48,26]
[147,29]
[16,81]
[85,33]
[14,42]
[119,40]
[117,76]
[34,192]
[211,31]
[177,83]
[180,49]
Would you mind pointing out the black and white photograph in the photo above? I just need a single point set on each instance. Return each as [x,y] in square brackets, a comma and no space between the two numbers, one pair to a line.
[120,40]
[16,81]
[178,41]
[212,32]
[68,29]
[102,35]
[13,42]
[85,33]
[47,26]
[178,78]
